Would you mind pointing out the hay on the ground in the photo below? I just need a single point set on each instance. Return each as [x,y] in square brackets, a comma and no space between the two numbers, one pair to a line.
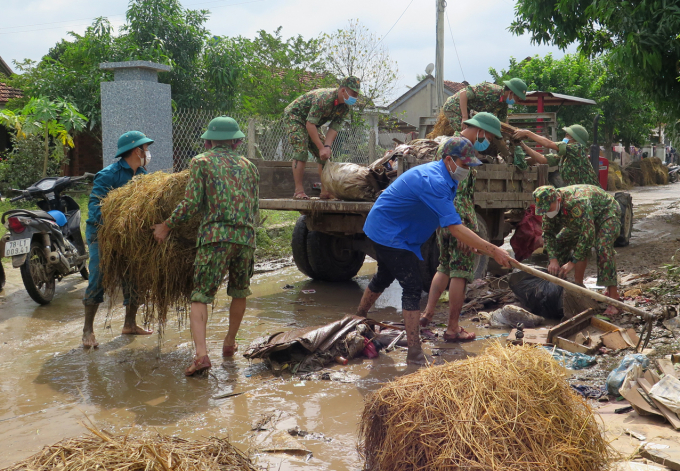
[99,450]
[161,274]
[508,409]
[649,171]
[617,179]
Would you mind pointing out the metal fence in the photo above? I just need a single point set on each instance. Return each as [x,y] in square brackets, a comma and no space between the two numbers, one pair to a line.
[266,138]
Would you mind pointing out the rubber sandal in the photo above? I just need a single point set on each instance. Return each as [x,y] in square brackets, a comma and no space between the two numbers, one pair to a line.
[300,196]
[198,366]
[451,338]
[229,351]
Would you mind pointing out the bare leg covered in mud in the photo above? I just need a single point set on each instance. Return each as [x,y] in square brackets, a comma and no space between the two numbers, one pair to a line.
[236,311]
[89,340]
[367,301]
[456,299]
[415,355]
[130,326]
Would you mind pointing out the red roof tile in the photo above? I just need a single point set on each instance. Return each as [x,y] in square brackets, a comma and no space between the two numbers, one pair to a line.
[454,87]
[7,92]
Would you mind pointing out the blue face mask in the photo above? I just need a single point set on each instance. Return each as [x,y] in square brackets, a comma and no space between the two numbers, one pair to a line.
[481,145]
[565,140]
[510,101]
[350,100]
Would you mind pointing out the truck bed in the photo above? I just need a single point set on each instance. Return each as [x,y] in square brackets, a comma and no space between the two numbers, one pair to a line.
[316,205]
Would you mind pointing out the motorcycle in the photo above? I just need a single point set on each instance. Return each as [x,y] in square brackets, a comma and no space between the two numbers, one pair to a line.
[673,173]
[46,245]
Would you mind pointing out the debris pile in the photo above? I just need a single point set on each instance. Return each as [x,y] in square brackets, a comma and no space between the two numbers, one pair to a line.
[509,409]
[161,274]
[646,172]
[100,450]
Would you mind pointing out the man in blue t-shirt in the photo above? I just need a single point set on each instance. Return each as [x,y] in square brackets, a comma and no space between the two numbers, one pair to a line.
[405,216]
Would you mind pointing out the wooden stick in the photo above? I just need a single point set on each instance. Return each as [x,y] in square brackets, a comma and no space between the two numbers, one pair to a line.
[582,291]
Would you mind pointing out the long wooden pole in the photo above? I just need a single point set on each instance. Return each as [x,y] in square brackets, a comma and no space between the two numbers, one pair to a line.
[582,291]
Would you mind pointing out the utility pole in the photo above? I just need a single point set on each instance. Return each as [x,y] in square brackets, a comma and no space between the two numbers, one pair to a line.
[439,58]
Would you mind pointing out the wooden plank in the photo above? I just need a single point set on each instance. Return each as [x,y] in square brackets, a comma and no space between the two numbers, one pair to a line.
[666,367]
[581,319]
[317,206]
[671,416]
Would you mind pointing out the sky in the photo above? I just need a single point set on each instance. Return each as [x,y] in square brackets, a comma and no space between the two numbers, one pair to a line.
[28,28]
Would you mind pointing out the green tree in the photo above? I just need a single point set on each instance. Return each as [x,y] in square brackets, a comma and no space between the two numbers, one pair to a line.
[626,115]
[277,71]
[48,119]
[356,51]
[640,37]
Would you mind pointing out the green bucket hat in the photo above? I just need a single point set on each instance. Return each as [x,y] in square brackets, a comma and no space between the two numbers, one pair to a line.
[518,87]
[487,122]
[578,132]
[130,140]
[223,128]
[351,82]
[544,196]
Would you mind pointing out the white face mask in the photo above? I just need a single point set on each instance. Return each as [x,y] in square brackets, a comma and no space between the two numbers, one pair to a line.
[552,214]
[147,157]
[460,173]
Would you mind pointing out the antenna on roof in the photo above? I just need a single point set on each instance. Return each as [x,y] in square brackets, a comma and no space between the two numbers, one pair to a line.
[429,68]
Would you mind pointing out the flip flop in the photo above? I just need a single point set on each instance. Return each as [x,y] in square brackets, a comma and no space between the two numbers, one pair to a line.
[300,196]
[457,338]
[198,366]
[229,351]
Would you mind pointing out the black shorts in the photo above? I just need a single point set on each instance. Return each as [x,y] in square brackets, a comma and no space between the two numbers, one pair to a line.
[402,265]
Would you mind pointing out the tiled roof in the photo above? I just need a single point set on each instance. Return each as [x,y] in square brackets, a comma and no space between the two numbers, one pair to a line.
[7,92]
[454,87]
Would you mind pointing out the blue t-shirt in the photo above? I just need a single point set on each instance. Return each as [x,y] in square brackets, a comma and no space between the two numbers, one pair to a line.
[413,207]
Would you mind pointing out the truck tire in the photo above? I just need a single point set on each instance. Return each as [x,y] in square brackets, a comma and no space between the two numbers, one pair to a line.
[481,261]
[332,258]
[626,203]
[299,245]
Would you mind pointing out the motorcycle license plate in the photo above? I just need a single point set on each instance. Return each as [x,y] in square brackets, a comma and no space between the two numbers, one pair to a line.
[17,247]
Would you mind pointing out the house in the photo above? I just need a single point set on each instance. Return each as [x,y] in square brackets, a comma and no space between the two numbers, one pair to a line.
[417,106]
[6,93]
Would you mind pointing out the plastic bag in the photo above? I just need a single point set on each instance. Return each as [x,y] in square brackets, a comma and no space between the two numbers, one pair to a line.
[512,315]
[348,181]
[618,374]
[528,234]
[537,295]
[571,360]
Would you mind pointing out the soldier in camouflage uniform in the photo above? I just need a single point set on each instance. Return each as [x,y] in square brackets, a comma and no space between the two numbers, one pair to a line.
[575,219]
[456,260]
[306,115]
[487,97]
[224,188]
[572,157]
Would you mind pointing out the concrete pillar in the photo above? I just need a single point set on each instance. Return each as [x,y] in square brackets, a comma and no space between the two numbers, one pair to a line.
[135,101]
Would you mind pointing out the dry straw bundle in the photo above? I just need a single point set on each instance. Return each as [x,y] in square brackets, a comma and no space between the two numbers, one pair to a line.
[509,409]
[161,274]
[158,453]
[442,127]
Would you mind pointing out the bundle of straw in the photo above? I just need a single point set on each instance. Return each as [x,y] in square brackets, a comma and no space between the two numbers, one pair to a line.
[442,127]
[161,274]
[509,409]
[152,453]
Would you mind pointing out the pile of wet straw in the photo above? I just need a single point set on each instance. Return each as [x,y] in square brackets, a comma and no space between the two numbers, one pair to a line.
[161,275]
[100,450]
[648,172]
[508,409]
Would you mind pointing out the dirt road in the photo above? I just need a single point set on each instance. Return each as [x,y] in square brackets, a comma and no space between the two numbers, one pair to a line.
[49,384]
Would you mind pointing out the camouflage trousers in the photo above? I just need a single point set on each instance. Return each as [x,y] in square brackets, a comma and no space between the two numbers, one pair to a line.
[452,261]
[605,234]
[211,265]
[454,118]
[301,143]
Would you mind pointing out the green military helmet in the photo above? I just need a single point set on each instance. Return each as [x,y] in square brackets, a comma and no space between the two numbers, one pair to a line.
[544,196]
[487,122]
[351,82]
[131,140]
[223,128]
[518,87]
[578,132]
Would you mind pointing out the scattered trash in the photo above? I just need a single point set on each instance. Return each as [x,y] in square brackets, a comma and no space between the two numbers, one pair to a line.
[485,409]
[297,432]
[673,324]
[226,395]
[510,316]
[308,291]
[299,385]
[633,434]
[280,441]
[655,446]
[623,410]
[667,392]
[590,392]
[571,360]
[618,374]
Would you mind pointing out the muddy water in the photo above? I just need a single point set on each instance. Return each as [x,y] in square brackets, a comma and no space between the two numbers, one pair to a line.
[49,384]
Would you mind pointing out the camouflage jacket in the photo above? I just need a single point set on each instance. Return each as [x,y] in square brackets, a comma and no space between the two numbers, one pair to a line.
[318,107]
[481,97]
[224,188]
[583,209]
[465,198]
[574,163]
